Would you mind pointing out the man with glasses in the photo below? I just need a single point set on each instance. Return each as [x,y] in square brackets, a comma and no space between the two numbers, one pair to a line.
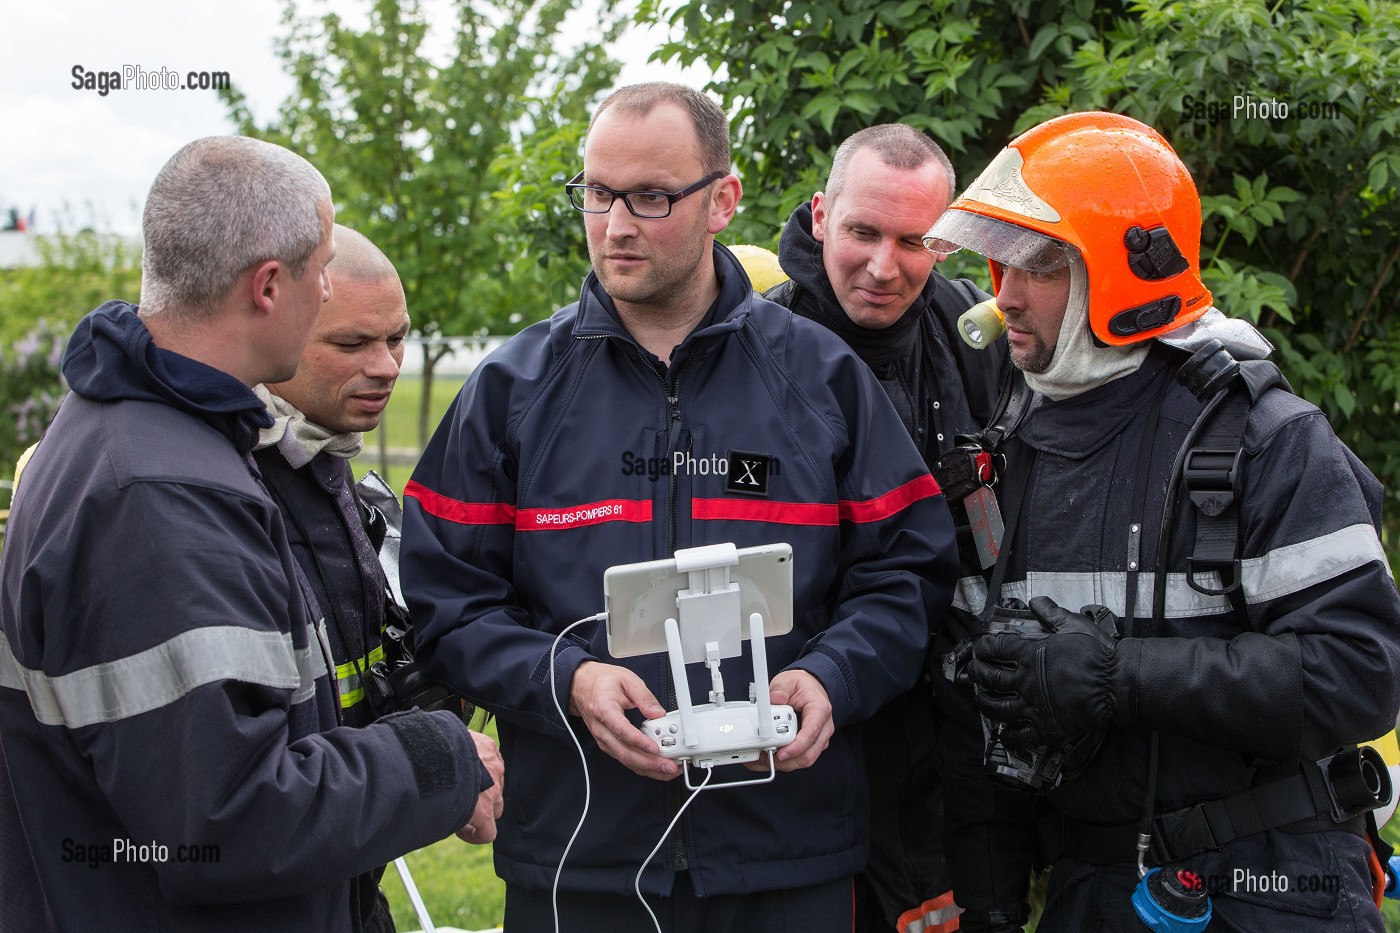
[541,476]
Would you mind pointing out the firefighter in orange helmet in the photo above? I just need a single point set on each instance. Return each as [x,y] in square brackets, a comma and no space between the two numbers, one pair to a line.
[1191,582]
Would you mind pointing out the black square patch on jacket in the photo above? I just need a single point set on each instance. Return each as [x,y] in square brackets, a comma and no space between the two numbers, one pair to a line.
[748,473]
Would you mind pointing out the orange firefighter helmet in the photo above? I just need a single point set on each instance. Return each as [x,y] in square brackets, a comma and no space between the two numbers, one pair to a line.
[1112,189]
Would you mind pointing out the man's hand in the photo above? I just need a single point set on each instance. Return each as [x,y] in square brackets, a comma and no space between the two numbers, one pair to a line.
[481,828]
[600,695]
[808,699]
[1051,687]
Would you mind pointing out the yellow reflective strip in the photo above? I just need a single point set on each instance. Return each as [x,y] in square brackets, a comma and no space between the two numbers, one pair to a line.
[1387,746]
[347,670]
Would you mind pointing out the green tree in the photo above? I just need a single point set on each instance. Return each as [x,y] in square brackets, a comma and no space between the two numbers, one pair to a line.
[424,158]
[1302,231]
[800,77]
[39,305]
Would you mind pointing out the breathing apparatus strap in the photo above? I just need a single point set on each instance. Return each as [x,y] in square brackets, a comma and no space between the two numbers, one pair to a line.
[1210,472]
[1211,475]
[1301,802]
[1012,405]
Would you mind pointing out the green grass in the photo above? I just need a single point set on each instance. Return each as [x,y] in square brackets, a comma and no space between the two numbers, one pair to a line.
[457,882]
[458,885]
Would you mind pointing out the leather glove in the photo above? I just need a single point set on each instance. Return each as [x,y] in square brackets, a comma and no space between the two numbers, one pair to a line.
[1046,688]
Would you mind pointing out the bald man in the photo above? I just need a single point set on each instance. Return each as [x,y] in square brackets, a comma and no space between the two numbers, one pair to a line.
[339,391]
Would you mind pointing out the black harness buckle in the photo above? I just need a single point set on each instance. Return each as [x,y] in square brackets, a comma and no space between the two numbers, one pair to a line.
[1212,478]
[963,470]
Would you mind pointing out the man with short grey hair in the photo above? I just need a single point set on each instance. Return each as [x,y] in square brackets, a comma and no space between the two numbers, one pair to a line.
[169,740]
[858,266]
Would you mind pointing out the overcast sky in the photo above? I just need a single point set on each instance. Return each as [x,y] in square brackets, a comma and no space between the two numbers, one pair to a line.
[98,154]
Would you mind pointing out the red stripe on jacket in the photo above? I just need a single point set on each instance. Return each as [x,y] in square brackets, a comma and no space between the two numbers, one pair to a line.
[896,500]
[503,513]
[815,513]
[463,513]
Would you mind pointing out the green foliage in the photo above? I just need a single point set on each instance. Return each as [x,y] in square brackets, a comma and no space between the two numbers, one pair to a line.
[801,76]
[451,169]
[422,158]
[76,272]
[39,305]
[1301,219]
[30,390]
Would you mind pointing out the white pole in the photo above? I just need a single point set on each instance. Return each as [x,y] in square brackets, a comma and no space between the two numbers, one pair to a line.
[414,896]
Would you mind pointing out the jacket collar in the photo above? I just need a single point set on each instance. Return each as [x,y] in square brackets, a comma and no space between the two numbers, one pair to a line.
[597,315]
[112,357]
[1078,426]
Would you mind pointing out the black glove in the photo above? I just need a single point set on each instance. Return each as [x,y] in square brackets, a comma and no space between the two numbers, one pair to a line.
[1046,688]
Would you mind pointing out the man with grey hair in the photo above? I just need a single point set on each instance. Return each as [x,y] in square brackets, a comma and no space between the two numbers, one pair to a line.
[857,265]
[169,740]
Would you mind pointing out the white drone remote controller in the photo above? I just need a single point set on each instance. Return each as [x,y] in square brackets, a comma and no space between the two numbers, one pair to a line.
[721,733]
[728,734]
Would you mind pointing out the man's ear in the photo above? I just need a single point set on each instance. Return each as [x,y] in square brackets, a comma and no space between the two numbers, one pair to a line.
[268,280]
[725,202]
[819,217]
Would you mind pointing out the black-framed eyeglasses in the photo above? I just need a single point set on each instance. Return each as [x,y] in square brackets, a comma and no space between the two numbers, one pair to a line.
[596,199]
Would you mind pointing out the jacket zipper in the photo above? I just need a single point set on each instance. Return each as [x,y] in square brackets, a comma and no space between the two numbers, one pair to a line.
[673,436]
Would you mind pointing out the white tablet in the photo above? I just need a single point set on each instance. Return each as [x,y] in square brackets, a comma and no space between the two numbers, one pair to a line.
[640,597]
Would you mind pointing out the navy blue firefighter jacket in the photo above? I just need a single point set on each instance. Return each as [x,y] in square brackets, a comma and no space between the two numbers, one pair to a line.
[169,752]
[571,449]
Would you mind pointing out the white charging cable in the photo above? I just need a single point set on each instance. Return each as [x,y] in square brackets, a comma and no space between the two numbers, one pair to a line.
[637,885]
[587,788]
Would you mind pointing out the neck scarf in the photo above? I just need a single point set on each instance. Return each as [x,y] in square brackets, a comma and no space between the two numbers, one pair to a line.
[299,440]
[1078,365]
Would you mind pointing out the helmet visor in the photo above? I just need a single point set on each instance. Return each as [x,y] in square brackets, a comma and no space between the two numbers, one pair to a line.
[1001,242]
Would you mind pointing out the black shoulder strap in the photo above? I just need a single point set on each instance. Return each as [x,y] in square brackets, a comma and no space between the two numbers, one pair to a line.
[783,293]
[1014,401]
[1211,476]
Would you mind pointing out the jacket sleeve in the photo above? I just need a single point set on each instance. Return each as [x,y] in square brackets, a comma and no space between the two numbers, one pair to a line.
[184,688]
[898,561]
[458,544]
[1321,667]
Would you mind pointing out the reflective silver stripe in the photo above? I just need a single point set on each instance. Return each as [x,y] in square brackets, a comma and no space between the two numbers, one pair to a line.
[310,665]
[1281,572]
[1298,566]
[312,662]
[161,675]
[936,916]
[970,595]
[9,667]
